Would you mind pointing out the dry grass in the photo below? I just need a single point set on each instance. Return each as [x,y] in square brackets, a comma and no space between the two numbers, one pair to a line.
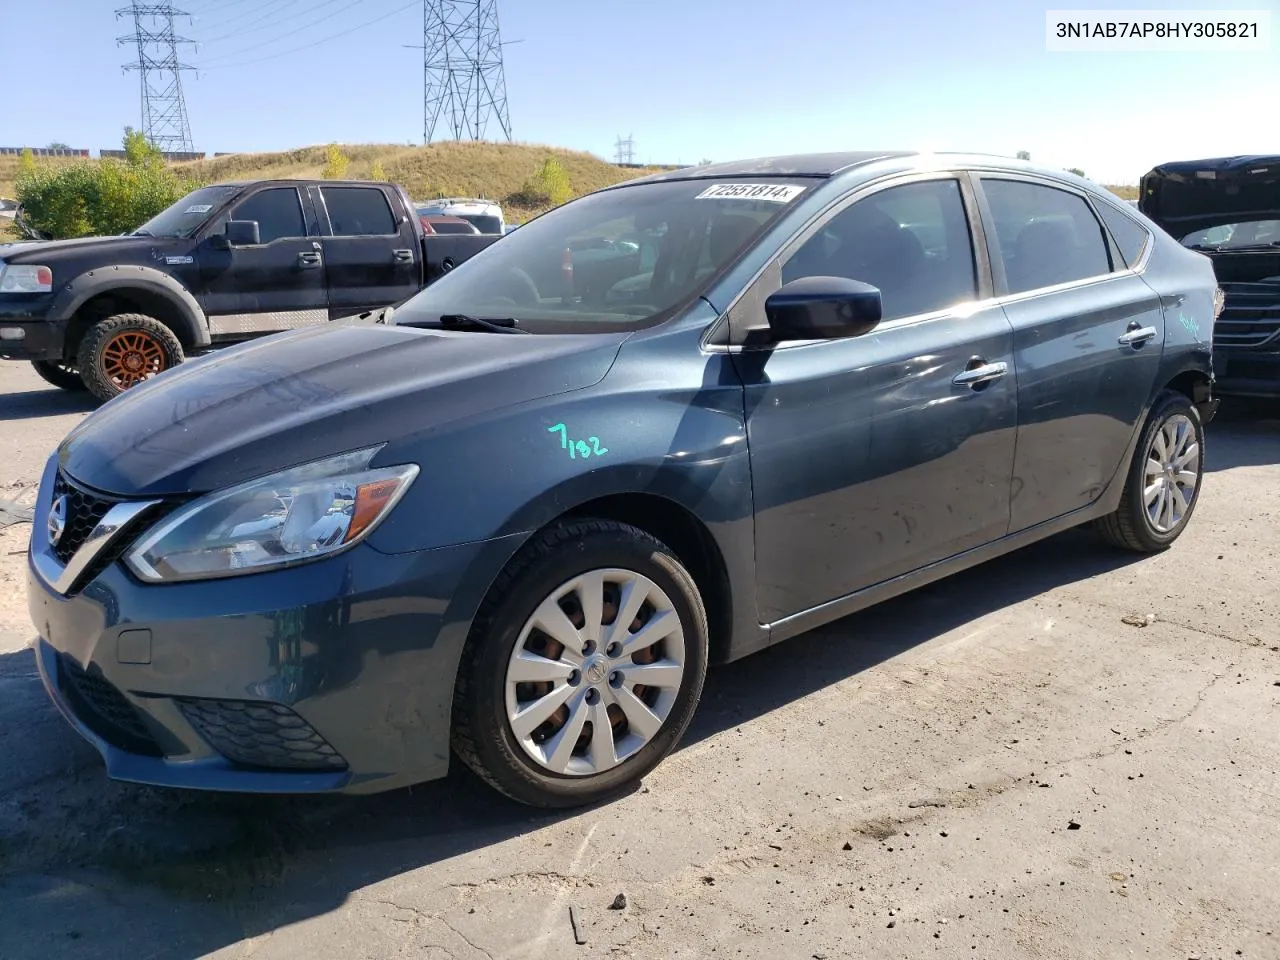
[8,232]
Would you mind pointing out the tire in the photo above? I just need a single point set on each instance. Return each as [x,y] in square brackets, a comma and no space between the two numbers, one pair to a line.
[1131,526]
[122,351]
[61,374]
[486,698]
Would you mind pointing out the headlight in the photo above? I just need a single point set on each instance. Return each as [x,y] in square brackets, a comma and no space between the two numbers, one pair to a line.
[24,278]
[290,517]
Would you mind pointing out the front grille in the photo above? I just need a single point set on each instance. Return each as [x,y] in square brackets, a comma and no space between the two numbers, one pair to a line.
[1251,316]
[103,709]
[260,735]
[84,511]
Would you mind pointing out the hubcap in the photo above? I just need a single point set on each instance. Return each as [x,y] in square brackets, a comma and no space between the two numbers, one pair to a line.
[595,672]
[1172,473]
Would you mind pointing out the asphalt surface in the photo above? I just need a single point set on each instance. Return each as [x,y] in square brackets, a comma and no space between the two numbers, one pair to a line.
[1068,752]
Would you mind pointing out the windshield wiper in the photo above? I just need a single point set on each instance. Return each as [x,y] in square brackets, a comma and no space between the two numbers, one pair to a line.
[494,324]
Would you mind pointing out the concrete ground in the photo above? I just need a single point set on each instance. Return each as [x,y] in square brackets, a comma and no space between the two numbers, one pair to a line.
[996,766]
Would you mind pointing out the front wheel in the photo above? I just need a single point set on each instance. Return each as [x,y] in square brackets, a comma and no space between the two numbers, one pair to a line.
[61,374]
[583,668]
[1163,485]
[121,351]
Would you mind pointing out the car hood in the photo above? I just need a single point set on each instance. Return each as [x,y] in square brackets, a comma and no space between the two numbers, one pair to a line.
[268,404]
[38,251]
[1193,195]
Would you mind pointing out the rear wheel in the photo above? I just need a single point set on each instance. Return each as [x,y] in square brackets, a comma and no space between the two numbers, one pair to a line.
[583,668]
[121,351]
[1163,485]
[61,374]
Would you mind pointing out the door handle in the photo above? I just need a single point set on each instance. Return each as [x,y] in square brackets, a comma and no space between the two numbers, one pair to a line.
[979,375]
[1136,336]
[403,255]
[308,259]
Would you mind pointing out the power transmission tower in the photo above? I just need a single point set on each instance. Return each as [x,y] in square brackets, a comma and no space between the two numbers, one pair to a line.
[164,110]
[462,77]
[624,151]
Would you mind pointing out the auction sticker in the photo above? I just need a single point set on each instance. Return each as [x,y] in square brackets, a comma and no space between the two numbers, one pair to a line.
[199,208]
[777,192]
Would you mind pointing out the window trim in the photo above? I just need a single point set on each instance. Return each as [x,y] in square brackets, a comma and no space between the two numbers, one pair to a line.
[1002,293]
[267,188]
[724,335]
[326,221]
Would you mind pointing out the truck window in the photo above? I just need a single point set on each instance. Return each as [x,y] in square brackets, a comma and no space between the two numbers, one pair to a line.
[358,211]
[278,212]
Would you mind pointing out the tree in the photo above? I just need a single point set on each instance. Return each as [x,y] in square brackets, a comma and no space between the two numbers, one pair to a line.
[1024,155]
[26,163]
[552,182]
[377,173]
[1076,170]
[58,145]
[335,163]
[139,152]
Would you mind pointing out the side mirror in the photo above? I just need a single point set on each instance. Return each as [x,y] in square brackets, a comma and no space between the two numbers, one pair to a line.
[823,308]
[242,233]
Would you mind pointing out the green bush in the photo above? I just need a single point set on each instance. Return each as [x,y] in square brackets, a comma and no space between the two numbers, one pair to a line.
[100,198]
[549,185]
[335,163]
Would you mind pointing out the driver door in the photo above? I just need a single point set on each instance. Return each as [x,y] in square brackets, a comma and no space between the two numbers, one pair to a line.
[877,455]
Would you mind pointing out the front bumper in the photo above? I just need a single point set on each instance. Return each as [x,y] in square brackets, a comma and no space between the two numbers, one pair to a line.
[1246,373]
[25,317]
[331,676]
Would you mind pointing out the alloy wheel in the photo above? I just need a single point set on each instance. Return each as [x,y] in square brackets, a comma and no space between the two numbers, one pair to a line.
[1172,474]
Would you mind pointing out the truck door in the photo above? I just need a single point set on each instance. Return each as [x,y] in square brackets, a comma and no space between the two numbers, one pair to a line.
[371,251]
[275,284]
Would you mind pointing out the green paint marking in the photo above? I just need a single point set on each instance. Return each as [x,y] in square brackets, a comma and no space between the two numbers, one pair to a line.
[578,449]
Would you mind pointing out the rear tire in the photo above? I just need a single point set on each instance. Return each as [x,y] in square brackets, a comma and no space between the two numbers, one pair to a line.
[612,713]
[122,351]
[61,374]
[1163,484]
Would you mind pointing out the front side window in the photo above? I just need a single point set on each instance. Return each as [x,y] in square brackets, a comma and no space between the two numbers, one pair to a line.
[1047,236]
[911,241]
[278,212]
[358,211]
[615,260]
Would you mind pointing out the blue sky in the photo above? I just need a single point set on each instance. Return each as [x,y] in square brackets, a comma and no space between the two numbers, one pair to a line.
[689,79]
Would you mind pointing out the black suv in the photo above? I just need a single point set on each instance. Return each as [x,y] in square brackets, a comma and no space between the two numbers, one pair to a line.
[1229,209]
[224,264]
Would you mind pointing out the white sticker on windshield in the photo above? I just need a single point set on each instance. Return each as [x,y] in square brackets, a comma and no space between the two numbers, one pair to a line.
[777,192]
[199,208]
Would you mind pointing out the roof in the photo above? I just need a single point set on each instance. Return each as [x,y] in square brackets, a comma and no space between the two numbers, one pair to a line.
[1243,165]
[784,165]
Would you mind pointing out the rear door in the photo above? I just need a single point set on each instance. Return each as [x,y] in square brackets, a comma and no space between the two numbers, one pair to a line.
[371,251]
[1088,333]
[876,455]
[276,284]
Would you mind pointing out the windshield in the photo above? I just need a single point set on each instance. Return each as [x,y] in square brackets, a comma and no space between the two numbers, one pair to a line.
[183,218]
[611,261]
[449,226]
[482,223]
[1228,236]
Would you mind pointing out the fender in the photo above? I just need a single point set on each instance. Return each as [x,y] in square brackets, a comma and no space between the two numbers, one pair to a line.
[186,317]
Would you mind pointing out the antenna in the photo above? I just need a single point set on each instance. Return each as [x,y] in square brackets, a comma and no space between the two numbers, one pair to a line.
[164,109]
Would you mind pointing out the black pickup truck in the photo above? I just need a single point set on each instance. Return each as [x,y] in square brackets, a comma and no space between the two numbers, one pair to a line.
[225,263]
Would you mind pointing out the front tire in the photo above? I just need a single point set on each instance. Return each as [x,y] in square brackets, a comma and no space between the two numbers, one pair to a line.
[61,374]
[121,351]
[1163,485]
[583,667]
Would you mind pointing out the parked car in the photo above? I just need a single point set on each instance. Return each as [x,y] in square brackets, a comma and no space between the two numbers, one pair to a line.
[8,208]
[522,519]
[486,215]
[446,225]
[1229,208]
[224,264]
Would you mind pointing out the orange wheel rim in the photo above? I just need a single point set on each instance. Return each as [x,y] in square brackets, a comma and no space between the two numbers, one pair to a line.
[131,357]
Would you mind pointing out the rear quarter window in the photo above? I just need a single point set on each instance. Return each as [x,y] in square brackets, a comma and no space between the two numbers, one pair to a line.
[1130,236]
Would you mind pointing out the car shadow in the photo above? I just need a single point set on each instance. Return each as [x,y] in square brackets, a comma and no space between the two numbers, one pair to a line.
[33,404]
[228,867]
[1244,433]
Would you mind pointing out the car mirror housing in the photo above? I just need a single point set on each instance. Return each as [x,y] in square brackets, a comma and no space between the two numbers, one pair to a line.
[242,233]
[823,308]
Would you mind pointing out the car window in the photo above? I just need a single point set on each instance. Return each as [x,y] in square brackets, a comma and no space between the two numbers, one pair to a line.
[1047,236]
[1130,236]
[449,226]
[358,211]
[1235,235]
[483,223]
[278,212]
[911,241]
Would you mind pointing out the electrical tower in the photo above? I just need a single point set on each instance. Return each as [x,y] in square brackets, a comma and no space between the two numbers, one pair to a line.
[624,151]
[164,110]
[462,77]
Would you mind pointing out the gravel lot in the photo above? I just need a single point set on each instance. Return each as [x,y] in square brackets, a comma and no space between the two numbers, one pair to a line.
[995,766]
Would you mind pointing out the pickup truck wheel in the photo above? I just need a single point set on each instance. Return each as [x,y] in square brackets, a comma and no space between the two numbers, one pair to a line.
[583,668]
[1163,485]
[122,351]
[61,374]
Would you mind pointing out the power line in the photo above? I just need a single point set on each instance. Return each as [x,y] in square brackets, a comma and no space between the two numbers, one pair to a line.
[315,43]
[164,110]
[259,23]
[311,23]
